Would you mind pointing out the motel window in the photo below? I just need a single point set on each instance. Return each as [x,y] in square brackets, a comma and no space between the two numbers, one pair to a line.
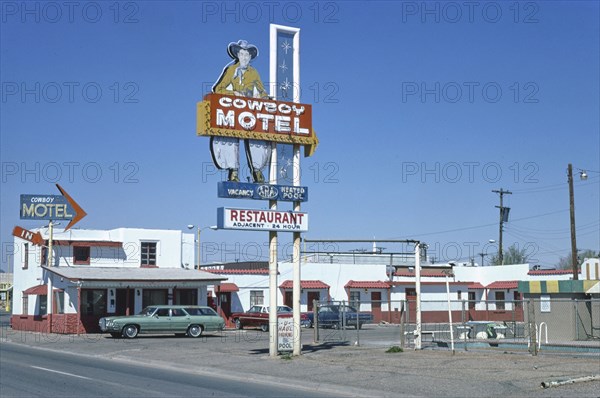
[354,298]
[81,255]
[25,305]
[256,297]
[59,302]
[26,256]
[154,297]
[93,302]
[186,297]
[44,259]
[42,305]
[148,254]
[459,295]
[499,300]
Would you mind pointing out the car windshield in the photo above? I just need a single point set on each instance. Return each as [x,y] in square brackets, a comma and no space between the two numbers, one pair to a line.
[284,308]
[148,311]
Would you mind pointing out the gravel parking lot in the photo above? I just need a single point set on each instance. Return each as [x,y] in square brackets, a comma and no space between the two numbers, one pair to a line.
[335,366]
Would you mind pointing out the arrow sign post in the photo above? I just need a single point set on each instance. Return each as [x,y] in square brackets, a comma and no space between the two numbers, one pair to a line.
[33,237]
[51,207]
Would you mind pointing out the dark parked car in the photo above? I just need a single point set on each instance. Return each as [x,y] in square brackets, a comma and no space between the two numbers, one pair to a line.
[188,320]
[336,316]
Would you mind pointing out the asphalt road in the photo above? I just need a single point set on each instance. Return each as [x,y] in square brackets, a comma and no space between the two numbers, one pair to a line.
[332,367]
[29,372]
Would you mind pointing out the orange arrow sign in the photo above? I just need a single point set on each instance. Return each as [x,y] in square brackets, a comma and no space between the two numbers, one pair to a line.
[79,212]
[33,237]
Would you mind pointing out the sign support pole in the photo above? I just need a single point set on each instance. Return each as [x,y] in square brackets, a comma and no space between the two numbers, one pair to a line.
[49,304]
[273,329]
[296,252]
[418,293]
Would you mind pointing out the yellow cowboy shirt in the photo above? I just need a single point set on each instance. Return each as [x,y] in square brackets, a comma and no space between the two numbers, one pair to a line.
[248,84]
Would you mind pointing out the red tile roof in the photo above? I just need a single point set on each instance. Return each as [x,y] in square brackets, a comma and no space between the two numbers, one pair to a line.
[305,285]
[39,290]
[476,285]
[424,272]
[263,271]
[550,272]
[503,285]
[366,285]
[227,287]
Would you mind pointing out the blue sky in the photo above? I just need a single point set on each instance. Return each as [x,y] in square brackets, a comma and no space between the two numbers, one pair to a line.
[421,109]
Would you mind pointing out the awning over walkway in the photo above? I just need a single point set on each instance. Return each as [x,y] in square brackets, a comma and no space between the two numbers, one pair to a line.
[39,290]
[86,276]
[304,285]
[500,285]
[366,285]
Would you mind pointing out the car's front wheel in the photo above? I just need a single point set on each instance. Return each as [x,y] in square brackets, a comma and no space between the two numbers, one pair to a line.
[238,324]
[194,331]
[130,331]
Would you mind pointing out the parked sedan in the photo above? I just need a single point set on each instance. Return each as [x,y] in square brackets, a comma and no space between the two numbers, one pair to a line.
[178,319]
[258,316]
[336,316]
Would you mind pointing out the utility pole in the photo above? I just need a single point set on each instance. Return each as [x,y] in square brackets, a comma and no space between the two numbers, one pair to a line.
[572,214]
[482,256]
[501,192]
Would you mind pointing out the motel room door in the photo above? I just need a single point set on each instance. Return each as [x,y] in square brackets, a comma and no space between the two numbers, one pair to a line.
[125,304]
[310,297]
[411,302]
[376,306]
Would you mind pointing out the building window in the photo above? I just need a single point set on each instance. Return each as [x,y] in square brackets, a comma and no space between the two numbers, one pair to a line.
[26,256]
[186,297]
[44,259]
[25,305]
[354,298]
[499,300]
[256,297]
[59,302]
[93,302]
[154,297]
[42,305]
[81,255]
[459,295]
[148,254]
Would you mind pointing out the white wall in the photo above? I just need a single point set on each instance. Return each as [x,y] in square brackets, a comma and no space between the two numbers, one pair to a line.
[174,248]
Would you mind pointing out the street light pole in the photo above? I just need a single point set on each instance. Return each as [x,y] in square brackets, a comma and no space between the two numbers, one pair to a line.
[198,244]
[572,216]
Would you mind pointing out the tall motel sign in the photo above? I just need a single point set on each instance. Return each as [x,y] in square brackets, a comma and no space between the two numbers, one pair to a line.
[238,112]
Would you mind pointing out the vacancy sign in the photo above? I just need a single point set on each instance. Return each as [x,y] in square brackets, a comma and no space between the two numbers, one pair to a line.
[262,220]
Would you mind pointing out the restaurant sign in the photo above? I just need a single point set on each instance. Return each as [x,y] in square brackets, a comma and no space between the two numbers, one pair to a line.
[261,220]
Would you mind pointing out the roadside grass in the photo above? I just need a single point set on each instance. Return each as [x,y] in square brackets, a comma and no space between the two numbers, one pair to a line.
[394,349]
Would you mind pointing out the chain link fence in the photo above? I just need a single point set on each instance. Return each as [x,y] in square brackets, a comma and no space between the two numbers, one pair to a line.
[532,325]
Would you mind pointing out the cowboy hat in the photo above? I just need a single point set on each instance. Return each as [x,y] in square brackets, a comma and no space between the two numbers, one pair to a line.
[234,48]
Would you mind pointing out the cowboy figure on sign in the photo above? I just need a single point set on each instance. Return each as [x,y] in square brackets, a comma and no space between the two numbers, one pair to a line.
[240,79]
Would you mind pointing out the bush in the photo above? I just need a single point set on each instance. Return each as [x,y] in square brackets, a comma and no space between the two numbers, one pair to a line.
[394,349]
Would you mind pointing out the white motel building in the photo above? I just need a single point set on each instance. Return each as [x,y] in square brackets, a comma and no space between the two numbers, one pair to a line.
[95,273]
